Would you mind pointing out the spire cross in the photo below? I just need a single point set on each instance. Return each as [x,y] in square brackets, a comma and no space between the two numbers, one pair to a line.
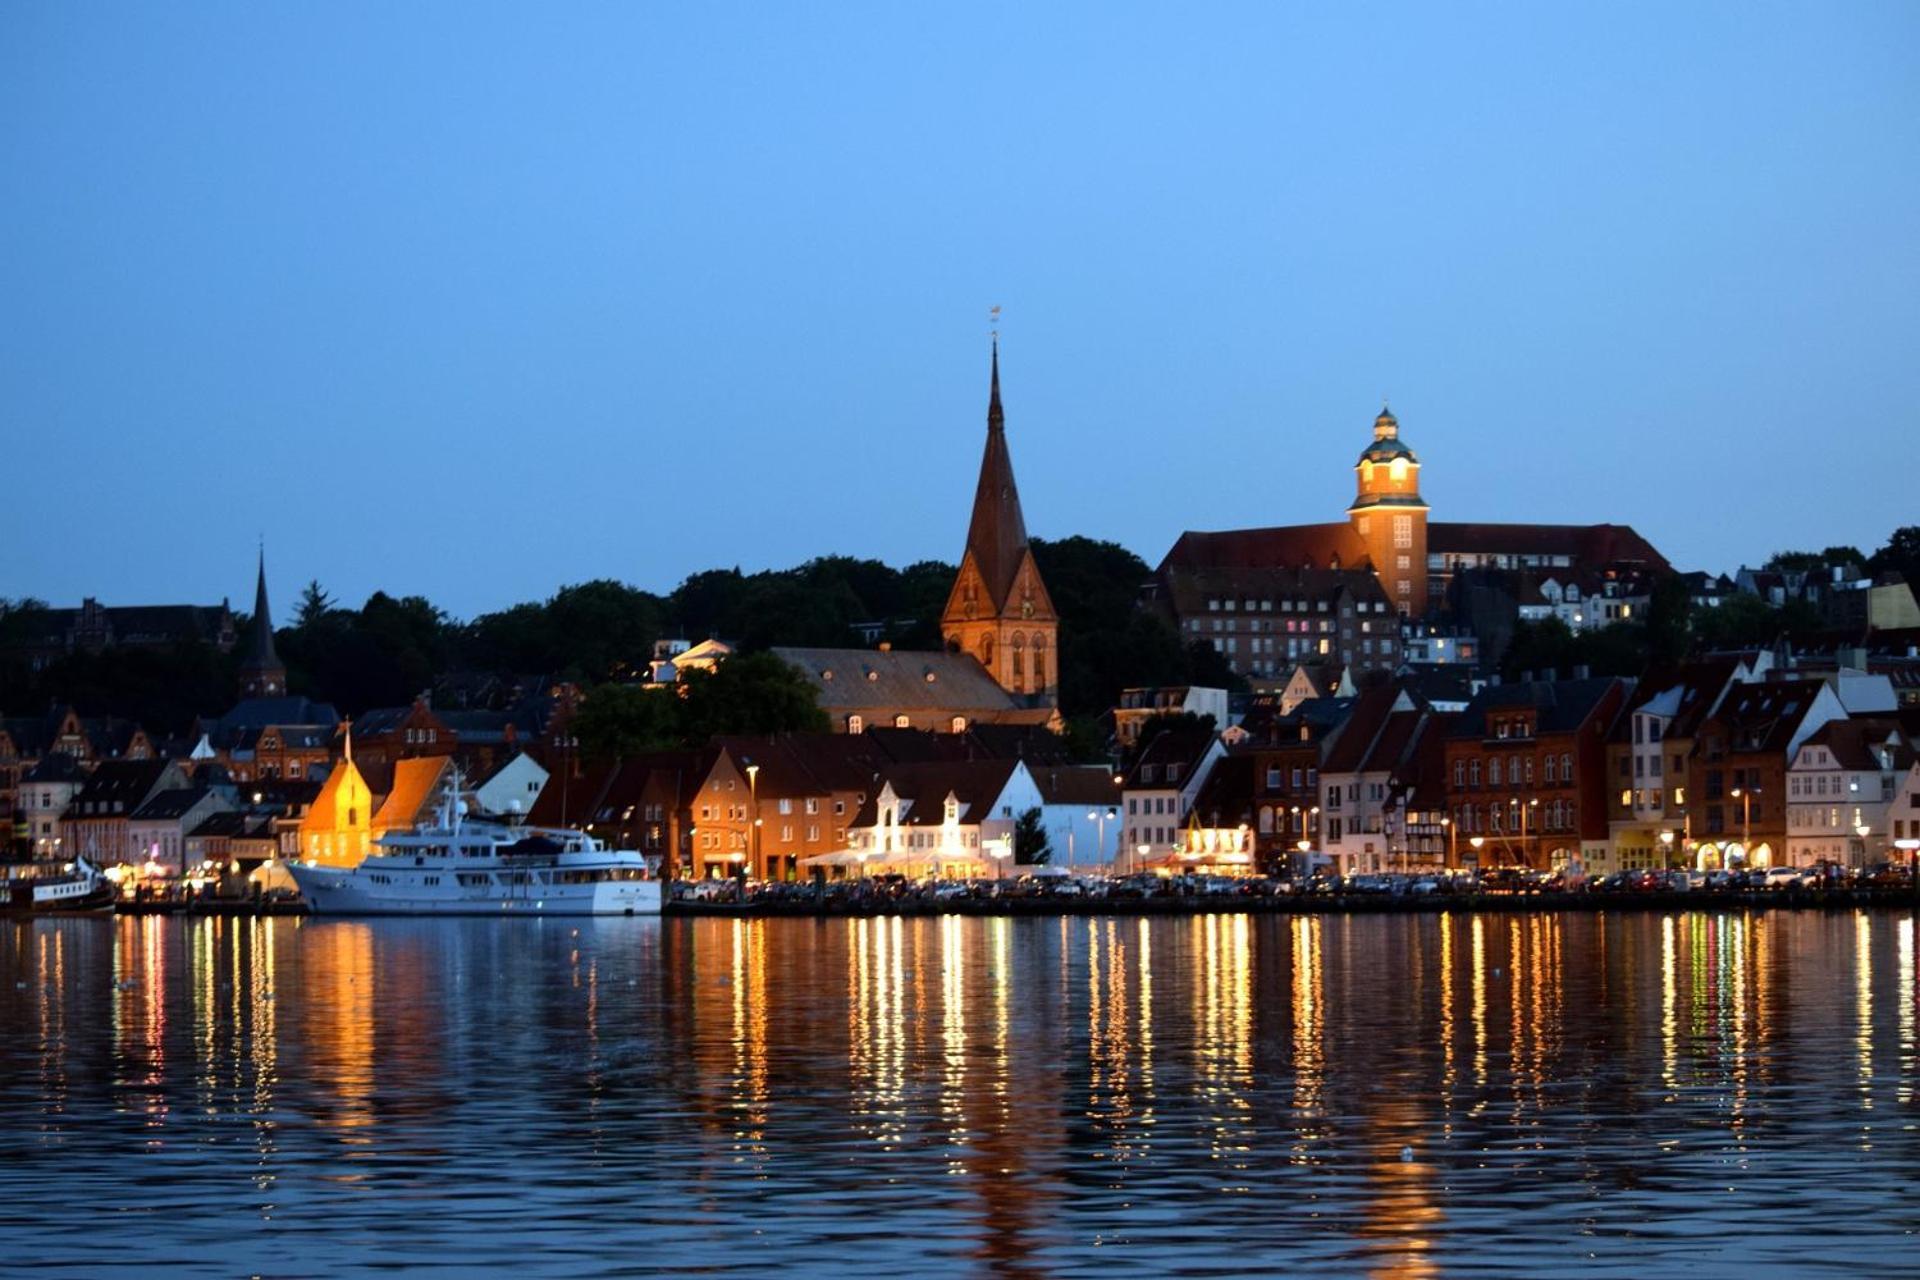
[993,322]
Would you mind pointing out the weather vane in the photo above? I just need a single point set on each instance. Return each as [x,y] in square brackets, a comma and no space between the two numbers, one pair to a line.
[993,319]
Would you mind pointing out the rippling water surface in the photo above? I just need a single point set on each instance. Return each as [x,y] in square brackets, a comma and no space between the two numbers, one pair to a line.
[1632,1094]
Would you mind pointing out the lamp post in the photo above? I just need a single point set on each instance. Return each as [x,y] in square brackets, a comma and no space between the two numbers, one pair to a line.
[1100,817]
[1863,831]
[1453,842]
[753,815]
[1666,849]
[1745,796]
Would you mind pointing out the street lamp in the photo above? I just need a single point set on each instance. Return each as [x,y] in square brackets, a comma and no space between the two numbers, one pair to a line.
[753,809]
[1745,796]
[1863,830]
[1453,842]
[1666,849]
[1100,816]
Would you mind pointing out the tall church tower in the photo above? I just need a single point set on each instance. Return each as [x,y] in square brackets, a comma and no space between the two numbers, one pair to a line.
[999,610]
[262,675]
[1391,517]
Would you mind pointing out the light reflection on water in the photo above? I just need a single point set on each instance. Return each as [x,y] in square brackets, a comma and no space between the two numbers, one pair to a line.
[1395,1095]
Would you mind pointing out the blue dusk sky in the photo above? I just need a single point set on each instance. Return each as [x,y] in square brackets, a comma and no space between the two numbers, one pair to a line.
[473,301]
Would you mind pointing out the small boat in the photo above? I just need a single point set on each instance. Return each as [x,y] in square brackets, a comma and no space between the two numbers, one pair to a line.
[38,887]
[479,866]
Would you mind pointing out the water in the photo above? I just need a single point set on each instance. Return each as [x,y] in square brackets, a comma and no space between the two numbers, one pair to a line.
[1634,1094]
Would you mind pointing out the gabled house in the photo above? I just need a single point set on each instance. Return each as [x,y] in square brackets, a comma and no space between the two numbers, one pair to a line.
[96,821]
[1159,792]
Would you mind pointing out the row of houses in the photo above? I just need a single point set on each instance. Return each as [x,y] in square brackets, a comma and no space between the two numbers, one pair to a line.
[904,799]
[1726,761]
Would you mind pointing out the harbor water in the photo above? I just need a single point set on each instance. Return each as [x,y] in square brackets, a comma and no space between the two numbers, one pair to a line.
[1716,1092]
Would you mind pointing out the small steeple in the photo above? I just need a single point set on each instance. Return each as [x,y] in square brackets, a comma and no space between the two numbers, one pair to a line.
[1386,426]
[262,675]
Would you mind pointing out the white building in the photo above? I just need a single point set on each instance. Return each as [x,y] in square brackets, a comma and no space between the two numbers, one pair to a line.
[1842,785]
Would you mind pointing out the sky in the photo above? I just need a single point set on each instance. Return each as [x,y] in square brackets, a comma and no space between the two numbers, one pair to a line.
[473,301]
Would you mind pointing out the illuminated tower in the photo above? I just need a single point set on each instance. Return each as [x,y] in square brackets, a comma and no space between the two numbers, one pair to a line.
[262,675]
[1391,517]
[999,610]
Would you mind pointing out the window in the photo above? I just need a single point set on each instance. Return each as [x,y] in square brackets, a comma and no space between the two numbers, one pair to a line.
[1493,772]
[1402,531]
[855,724]
[901,721]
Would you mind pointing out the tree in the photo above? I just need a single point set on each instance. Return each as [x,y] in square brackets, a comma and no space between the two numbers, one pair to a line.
[1164,722]
[615,721]
[1901,555]
[314,605]
[1031,845]
[750,693]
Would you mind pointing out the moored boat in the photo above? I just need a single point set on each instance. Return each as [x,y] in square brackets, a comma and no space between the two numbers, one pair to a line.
[56,886]
[476,866]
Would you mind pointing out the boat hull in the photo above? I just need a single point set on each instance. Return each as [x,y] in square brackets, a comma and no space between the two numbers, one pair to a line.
[354,892]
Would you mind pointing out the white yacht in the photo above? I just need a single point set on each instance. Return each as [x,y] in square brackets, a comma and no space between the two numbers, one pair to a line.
[468,866]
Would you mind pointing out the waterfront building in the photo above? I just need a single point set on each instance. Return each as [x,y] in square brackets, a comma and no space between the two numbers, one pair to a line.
[1524,765]
[157,831]
[1371,805]
[1841,786]
[45,793]
[1649,821]
[1159,792]
[1286,753]
[337,827]
[1736,774]
[96,821]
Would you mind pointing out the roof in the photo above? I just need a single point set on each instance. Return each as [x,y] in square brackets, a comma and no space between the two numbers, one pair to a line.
[56,766]
[1076,784]
[414,784]
[166,806]
[997,533]
[975,783]
[1184,746]
[1322,545]
[1764,715]
[853,680]
[1595,545]
[1852,741]
[1560,705]
[1356,737]
[127,781]
[1316,545]
[258,713]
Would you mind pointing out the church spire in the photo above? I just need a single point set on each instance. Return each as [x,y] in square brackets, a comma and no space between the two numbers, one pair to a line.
[996,418]
[262,675]
[997,536]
